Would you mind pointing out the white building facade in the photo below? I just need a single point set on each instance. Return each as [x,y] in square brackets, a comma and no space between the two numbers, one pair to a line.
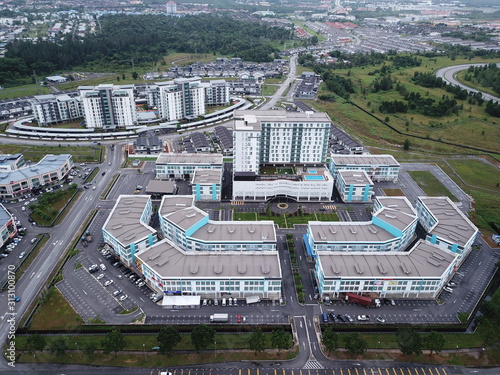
[183,165]
[108,106]
[52,109]
[377,167]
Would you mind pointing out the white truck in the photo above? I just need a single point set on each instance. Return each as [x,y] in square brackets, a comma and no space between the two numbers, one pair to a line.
[219,318]
[253,299]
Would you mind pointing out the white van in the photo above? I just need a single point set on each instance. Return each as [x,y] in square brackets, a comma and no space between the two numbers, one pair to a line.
[223,302]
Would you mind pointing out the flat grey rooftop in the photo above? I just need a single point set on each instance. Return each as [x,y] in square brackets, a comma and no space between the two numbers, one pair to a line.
[452,224]
[356,178]
[424,260]
[364,160]
[350,232]
[124,221]
[245,119]
[189,159]
[207,176]
[50,163]
[169,261]
[4,216]
[162,187]
[401,204]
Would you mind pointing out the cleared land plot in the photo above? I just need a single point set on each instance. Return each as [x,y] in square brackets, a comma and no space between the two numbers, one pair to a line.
[431,185]
[477,173]
[35,153]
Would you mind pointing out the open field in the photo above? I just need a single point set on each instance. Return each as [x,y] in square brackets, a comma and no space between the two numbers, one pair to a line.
[35,153]
[431,185]
[470,127]
[477,173]
[27,90]
[55,303]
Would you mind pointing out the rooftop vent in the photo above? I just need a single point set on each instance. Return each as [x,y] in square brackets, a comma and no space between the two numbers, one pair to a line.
[180,204]
[449,213]
[162,262]
[435,263]
[333,230]
[336,268]
[265,268]
[392,205]
[359,268]
[129,202]
[128,238]
[193,269]
[124,212]
[441,203]
[353,231]
[242,268]
[210,228]
[321,235]
[117,226]
[405,268]
[264,235]
[218,268]
[191,214]
[437,256]
[382,269]
[154,256]
[462,227]
[251,229]
[230,229]
[390,216]
[453,237]
[372,229]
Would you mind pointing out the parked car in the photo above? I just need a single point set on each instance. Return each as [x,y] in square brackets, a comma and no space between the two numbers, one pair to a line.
[349,318]
[22,255]
[99,277]
[103,267]
[380,319]
[117,292]
[109,282]
[239,318]
[363,318]
[123,298]
[448,289]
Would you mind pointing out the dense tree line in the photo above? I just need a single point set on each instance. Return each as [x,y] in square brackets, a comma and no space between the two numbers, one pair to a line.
[493,108]
[145,39]
[341,86]
[487,75]
[403,61]
[478,36]
[430,107]
[394,106]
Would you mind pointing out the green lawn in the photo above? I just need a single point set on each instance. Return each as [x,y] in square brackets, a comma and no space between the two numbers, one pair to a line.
[477,173]
[53,305]
[35,153]
[268,90]
[45,211]
[431,185]
[27,90]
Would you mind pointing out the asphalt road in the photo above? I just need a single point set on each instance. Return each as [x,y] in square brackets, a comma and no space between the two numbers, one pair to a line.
[448,74]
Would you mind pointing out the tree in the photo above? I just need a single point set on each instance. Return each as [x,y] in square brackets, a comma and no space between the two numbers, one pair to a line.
[89,348]
[279,339]
[36,343]
[406,145]
[59,346]
[113,342]
[434,341]
[202,336]
[409,341]
[489,332]
[135,75]
[257,341]
[331,340]
[354,343]
[168,338]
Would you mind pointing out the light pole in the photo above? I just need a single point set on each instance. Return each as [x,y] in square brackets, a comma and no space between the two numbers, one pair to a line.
[376,353]
[144,349]
[215,342]
[78,350]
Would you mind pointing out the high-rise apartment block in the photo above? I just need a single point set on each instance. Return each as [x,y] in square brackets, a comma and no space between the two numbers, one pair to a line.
[177,99]
[108,106]
[52,109]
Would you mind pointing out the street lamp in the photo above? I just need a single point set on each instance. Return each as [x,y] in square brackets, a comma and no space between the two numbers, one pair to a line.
[144,349]
[78,350]
[215,342]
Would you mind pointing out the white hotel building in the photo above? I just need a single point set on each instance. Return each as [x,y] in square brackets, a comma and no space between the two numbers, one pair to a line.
[108,106]
[265,140]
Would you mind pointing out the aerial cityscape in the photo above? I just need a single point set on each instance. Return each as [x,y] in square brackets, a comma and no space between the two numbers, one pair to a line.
[250,187]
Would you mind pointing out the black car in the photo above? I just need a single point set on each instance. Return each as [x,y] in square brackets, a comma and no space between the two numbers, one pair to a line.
[334,318]
[103,173]
[342,318]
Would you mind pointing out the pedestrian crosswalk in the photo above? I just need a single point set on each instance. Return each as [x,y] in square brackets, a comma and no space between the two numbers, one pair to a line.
[237,203]
[310,365]
[330,207]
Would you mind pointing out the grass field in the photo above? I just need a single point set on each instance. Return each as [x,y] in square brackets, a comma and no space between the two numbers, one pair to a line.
[286,221]
[393,192]
[55,303]
[26,90]
[471,126]
[269,90]
[477,173]
[35,153]
[431,185]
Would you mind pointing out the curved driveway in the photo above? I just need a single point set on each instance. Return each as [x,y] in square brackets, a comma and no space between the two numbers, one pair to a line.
[448,74]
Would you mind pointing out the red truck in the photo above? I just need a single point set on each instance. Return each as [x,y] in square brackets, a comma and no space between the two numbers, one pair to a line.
[365,301]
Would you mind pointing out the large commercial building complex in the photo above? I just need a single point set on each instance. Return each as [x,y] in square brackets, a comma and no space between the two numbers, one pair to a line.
[197,255]
[50,169]
[183,165]
[7,226]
